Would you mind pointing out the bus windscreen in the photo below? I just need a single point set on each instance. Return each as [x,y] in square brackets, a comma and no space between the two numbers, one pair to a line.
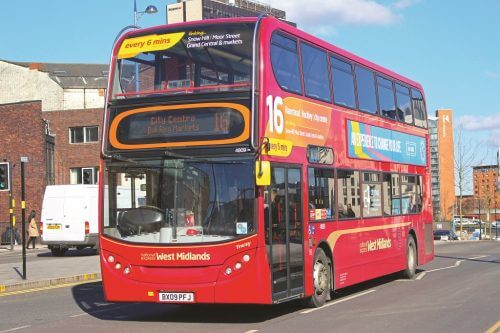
[195,59]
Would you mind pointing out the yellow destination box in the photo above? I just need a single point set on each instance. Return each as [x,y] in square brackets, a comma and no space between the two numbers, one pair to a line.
[133,46]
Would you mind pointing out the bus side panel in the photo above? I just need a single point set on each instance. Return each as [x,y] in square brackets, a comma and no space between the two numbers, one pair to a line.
[367,254]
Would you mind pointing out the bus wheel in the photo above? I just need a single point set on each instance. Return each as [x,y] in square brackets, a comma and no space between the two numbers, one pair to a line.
[321,279]
[411,259]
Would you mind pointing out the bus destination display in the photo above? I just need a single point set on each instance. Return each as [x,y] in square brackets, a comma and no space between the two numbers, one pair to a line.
[137,127]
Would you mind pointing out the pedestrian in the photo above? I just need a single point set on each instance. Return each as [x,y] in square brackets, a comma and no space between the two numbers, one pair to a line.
[32,229]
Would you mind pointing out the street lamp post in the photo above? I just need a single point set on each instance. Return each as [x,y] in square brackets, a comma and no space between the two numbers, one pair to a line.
[149,10]
[137,15]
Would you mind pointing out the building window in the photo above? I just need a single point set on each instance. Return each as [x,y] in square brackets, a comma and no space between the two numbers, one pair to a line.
[84,134]
[87,175]
[50,166]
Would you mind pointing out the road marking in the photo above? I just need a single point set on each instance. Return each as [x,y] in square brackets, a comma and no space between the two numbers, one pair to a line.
[495,328]
[252,331]
[339,301]
[79,315]
[478,257]
[448,267]
[16,328]
[18,292]
[419,276]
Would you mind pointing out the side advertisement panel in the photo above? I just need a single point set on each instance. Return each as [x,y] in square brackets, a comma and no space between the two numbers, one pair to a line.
[379,144]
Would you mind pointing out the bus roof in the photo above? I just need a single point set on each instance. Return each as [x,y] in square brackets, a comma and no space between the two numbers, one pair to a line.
[287,28]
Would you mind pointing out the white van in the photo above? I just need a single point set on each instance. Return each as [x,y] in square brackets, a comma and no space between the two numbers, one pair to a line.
[69,217]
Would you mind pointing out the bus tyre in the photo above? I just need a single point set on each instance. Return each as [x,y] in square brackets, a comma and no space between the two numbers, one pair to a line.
[411,258]
[58,251]
[321,279]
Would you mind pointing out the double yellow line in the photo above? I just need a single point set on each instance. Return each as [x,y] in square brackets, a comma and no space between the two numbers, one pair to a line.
[86,278]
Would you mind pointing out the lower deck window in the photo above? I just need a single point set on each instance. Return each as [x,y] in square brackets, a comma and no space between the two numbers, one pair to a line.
[321,194]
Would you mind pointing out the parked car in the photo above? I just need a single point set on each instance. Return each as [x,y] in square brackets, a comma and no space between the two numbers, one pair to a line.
[445,235]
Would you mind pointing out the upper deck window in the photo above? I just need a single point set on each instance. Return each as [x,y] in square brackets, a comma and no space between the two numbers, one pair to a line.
[386,98]
[403,103]
[285,61]
[315,69]
[188,60]
[419,108]
[365,83]
[343,83]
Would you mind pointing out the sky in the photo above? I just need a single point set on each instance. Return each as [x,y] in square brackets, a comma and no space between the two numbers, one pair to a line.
[451,47]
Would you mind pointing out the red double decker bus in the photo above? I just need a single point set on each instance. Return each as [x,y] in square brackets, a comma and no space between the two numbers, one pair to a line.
[245,161]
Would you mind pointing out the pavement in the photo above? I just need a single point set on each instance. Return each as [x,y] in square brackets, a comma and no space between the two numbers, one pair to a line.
[44,269]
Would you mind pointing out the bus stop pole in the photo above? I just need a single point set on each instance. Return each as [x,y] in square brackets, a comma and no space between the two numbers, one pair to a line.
[23,215]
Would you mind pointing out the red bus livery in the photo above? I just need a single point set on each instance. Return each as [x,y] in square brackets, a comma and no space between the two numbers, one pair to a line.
[245,161]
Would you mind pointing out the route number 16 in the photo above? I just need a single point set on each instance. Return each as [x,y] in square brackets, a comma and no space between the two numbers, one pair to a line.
[276,119]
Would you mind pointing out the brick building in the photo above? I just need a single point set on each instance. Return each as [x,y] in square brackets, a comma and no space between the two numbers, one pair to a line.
[23,133]
[486,197]
[52,114]
[76,140]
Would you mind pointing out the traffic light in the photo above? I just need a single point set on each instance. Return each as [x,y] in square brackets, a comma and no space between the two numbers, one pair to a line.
[4,176]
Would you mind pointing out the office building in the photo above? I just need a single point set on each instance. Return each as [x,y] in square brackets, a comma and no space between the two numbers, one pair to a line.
[194,10]
[442,165]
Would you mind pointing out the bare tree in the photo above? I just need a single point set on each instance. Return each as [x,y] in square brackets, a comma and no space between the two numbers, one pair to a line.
[466,157]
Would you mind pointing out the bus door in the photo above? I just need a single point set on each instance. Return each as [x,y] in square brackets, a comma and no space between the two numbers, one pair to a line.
[284,232]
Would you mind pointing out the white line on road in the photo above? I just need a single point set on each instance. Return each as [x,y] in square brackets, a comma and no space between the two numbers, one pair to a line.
[478,257]
[339,301]
[440,269]
[419,276]
[456,264]
[79,315]
[15,329]
[252,331]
